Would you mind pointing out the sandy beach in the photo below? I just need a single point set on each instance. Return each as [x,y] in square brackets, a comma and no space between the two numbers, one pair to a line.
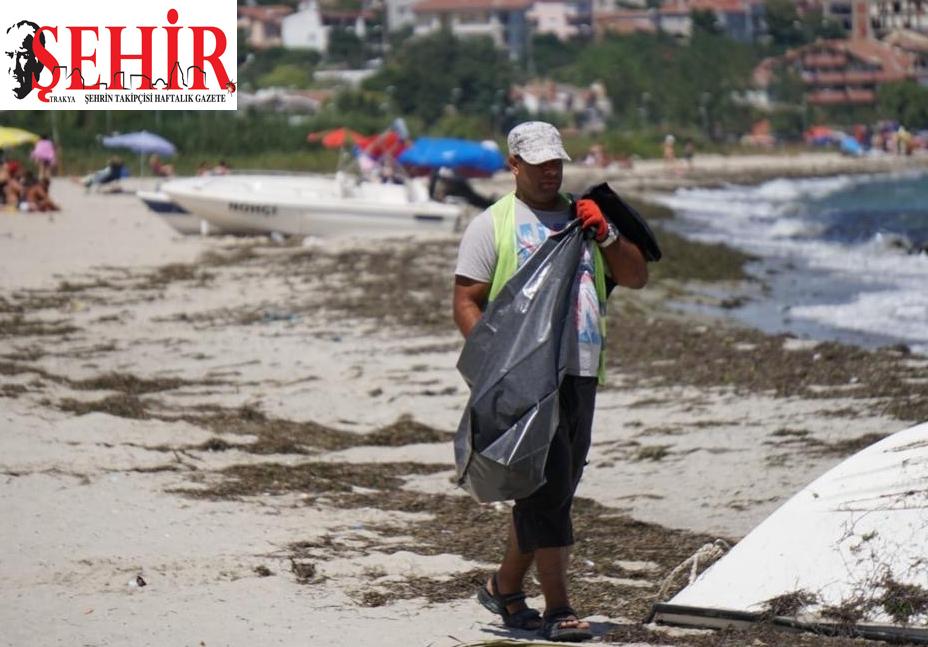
[220,441]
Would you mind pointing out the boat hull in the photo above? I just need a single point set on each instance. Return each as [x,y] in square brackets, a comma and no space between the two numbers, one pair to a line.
[178,218]
[311,206]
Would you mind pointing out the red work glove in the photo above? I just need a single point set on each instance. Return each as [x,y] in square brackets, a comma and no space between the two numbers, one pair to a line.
[592,219]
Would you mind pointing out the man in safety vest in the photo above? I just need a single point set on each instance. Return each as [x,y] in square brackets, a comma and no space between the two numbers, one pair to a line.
[495,244]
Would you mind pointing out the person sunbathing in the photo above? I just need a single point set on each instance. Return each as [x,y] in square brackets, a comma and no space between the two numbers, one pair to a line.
[10,183]
[159,168]
[37,197]
[110,173]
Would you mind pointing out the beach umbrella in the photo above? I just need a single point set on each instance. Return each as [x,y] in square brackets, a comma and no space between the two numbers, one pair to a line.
[337,138]
[15,136]
[465,157]
[850,146]
[389,143]
[141,142]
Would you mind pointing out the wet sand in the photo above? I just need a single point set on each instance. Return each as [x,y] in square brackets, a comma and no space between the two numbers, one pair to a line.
[260,434]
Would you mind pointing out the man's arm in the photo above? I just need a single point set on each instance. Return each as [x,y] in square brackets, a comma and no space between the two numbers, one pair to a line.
[626,264]
[470,298]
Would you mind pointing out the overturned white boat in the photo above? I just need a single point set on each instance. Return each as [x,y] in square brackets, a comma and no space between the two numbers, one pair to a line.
[312,205]
[847,554]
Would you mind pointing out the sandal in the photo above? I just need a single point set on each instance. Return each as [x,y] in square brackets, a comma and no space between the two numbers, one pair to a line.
[526,618]
[552,629]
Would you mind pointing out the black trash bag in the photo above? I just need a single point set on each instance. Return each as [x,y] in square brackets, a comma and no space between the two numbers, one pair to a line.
[626,219]
[514,362]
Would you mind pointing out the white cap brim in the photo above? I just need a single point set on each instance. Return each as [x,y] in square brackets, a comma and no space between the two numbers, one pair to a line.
[545,154]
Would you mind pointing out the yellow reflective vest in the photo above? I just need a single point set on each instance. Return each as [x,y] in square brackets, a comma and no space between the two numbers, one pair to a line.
[503,213]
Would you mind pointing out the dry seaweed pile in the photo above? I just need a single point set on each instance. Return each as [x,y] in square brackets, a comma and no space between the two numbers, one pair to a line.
[409,287]
[671,351]
[457,525]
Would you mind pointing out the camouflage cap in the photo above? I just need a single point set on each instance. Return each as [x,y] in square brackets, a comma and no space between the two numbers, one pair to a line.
[536,142]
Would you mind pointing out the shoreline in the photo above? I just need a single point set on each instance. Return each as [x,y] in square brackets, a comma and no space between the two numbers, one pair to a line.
[261,432]
[713,170]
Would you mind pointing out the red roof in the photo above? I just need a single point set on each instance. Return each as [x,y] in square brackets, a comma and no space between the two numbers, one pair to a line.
[265,13]
[346,14]
[674,8]
[888,64]
[684,7]
[723,6]
[894,63]
[820,68]
[626,21]
[911,41]
[460,6]
[824,60]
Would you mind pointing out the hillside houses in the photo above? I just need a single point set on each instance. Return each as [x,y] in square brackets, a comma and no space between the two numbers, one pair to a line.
[588,108]
[884,16]
[505,22]
[887,41]
[841,72]
[508,23]
[916,45]
[850,72]
[306,27]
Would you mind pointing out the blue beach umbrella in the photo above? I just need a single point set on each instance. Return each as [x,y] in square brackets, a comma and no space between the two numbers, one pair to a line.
[141,142]
[850,146]
[462,155]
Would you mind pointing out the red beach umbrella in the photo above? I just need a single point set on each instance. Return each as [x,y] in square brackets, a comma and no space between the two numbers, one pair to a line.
[337,138]
[388,143]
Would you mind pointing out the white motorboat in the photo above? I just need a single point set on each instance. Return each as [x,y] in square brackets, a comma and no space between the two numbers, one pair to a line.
[312,205]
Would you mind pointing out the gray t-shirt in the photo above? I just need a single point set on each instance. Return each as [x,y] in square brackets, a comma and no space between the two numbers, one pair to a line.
[477,261]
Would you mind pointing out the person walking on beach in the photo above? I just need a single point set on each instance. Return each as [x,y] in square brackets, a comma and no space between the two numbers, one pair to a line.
[540,530]
[670,154]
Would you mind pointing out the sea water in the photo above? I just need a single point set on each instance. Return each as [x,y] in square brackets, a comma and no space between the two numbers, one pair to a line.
[842,258]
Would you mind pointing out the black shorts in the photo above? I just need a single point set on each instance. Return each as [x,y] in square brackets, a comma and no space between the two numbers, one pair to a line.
[542,520]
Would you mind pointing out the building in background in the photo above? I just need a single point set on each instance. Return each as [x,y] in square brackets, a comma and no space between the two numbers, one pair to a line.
[505,22]
[861,24]
[262,24]
[841,72]
[301,102]
[625,21]
[885,16]
[915,44]
[587,108]
[740,20]
[561,18]
[399,14]
[675,18]
[304,29]
[353,20]
[892,15]
[839,12]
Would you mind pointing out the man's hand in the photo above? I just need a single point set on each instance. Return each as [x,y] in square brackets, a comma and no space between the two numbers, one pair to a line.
[592,219]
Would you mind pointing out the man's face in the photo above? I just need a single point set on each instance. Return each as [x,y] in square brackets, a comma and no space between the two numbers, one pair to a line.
[18,60]
[538,182]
